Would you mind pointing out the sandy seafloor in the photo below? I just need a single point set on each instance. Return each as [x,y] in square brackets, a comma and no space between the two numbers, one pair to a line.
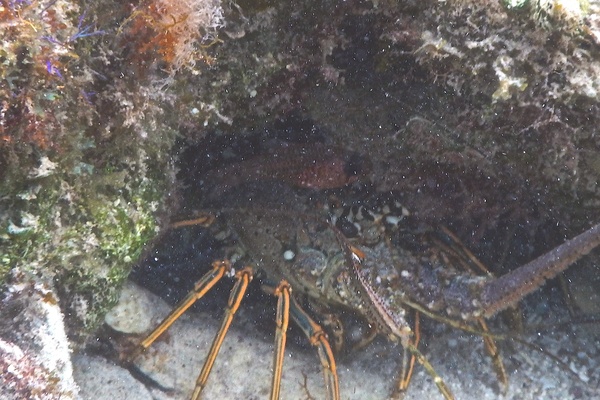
[242,370]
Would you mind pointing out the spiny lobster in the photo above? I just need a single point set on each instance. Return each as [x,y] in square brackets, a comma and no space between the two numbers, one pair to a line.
[367,256]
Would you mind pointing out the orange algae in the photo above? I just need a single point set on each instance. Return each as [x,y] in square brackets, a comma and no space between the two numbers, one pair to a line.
[174,32]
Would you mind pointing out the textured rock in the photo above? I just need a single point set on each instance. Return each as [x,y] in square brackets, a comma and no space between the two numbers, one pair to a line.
[133,312]
[35,351]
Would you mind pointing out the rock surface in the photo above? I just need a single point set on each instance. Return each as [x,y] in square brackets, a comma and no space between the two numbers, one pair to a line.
[35,354]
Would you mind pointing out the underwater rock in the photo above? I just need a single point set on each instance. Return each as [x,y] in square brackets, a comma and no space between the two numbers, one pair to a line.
[35,352]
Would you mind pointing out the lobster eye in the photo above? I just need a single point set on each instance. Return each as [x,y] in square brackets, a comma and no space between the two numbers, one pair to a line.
[289,255]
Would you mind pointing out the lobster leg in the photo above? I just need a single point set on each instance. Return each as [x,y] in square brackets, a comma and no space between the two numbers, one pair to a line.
[444,390]
[219,268]
[243,277]
[282,292]
[408,366]
[492,349]
[318,338]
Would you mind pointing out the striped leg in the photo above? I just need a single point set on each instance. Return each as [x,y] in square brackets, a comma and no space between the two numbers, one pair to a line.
[243,277]
[318,338]
[283,292]
[408,366]
[219,268]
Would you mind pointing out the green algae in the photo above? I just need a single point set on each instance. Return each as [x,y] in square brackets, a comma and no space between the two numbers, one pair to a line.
[84,159]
